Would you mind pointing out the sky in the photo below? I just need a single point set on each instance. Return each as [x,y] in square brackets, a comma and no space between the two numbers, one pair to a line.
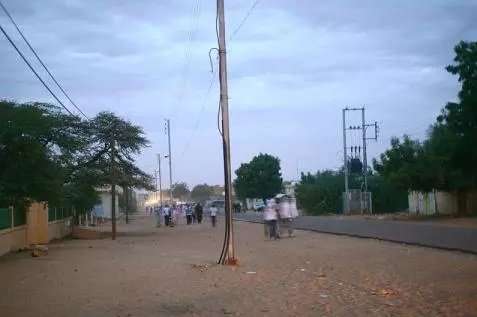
[292,67]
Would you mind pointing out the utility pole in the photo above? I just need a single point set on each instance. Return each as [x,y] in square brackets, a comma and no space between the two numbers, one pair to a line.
[113,188]
[364,171]
[160,178]
[155,187]
[365,158]
[168,131]
[345,164]
[224,103]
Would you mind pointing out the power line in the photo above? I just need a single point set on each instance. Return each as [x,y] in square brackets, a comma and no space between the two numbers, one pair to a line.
[33,70]
[188,55]
[244,19]
[212,80]
[40,60]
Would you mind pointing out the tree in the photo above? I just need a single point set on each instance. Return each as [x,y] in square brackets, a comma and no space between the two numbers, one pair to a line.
[322,192]
[38,148]
[458,120]
[260,178]
[406,165]
[201,192]
[114,141]
[180,190]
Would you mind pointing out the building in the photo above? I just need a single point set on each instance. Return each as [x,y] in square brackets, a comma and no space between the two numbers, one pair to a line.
[103,208]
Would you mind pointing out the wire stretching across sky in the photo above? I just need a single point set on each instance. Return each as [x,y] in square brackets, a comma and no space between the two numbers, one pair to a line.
[206,99]
[244,20]
[39,59]
[196,12]
[33,70]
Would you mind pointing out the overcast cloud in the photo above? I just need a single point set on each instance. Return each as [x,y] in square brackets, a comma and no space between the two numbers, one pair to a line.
[292,67]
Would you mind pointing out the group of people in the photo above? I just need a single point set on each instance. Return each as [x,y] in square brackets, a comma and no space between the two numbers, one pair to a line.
[170,214]
[278,216]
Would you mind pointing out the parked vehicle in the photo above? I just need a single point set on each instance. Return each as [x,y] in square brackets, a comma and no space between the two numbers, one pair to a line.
[258,206]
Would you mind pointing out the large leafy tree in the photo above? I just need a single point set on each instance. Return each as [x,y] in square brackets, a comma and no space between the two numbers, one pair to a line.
[39,148]
[458,123]
[407,165]
[260,178]
[201,192]
[114,142]
[180,190]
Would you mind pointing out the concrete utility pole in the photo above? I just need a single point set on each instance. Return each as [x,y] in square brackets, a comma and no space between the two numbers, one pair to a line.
[363,127]
[160,178]
[345,164]
[155,186]
[113,188]
[224,102]
[168,131]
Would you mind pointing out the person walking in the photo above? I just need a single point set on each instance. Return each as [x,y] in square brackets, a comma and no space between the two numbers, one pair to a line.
[188,213]
[213,214]
[194,214]
[157,213]
[270,217]
[166,212]
[199,210]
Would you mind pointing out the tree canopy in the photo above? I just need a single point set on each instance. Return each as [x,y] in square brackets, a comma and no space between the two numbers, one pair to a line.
[260,178]
[201,192]
[47,155]
[446,159]
[180,190]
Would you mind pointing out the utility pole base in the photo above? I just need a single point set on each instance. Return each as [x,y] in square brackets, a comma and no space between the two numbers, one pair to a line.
[232,261]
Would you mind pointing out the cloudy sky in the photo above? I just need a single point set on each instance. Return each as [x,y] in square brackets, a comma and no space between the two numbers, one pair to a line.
[293,65]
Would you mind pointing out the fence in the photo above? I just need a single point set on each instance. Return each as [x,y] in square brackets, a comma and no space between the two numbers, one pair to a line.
[357,202]
[22,227]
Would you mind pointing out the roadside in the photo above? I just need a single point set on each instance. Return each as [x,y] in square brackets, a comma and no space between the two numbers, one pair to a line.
[423,233]
[172,272]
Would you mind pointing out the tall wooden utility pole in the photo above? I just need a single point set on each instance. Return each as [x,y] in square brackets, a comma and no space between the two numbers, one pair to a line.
[168,131]
[224,102]
[160,178]
[113,188]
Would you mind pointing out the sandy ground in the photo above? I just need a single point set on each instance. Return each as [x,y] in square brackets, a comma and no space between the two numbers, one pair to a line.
[150,272]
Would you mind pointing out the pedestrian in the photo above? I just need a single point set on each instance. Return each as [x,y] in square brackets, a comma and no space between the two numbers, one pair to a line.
[194,213]
[270,216]
[166,211]
[175,213]
[213,214]
[199,210]
[157,213]
[188,213]
[288,212]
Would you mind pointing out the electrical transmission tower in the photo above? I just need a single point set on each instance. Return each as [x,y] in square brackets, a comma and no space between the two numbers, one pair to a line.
[357,199]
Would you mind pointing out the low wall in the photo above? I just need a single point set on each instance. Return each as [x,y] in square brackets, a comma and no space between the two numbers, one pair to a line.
[12,239]
[33,228]
[60,228]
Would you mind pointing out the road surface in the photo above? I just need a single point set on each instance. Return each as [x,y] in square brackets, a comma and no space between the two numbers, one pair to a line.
[416,233]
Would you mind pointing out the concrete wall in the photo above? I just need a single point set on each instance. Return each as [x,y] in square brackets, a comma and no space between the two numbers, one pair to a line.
[12,239]
[60,229]
[36,231]
[439,202]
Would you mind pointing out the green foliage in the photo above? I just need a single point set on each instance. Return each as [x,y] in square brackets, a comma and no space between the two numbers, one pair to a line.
[322,192]
[446,160]
[260,178]
[201,192]
[47,155]
[180,190]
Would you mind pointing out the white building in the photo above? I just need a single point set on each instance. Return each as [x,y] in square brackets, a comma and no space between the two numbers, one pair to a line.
[103,208]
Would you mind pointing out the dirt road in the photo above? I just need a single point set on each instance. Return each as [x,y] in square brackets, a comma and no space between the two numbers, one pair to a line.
[170,272]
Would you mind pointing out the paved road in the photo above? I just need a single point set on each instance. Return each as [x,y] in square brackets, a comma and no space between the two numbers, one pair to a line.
[424,234]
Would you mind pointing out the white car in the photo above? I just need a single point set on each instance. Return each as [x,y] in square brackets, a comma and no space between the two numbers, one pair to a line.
[258,206]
